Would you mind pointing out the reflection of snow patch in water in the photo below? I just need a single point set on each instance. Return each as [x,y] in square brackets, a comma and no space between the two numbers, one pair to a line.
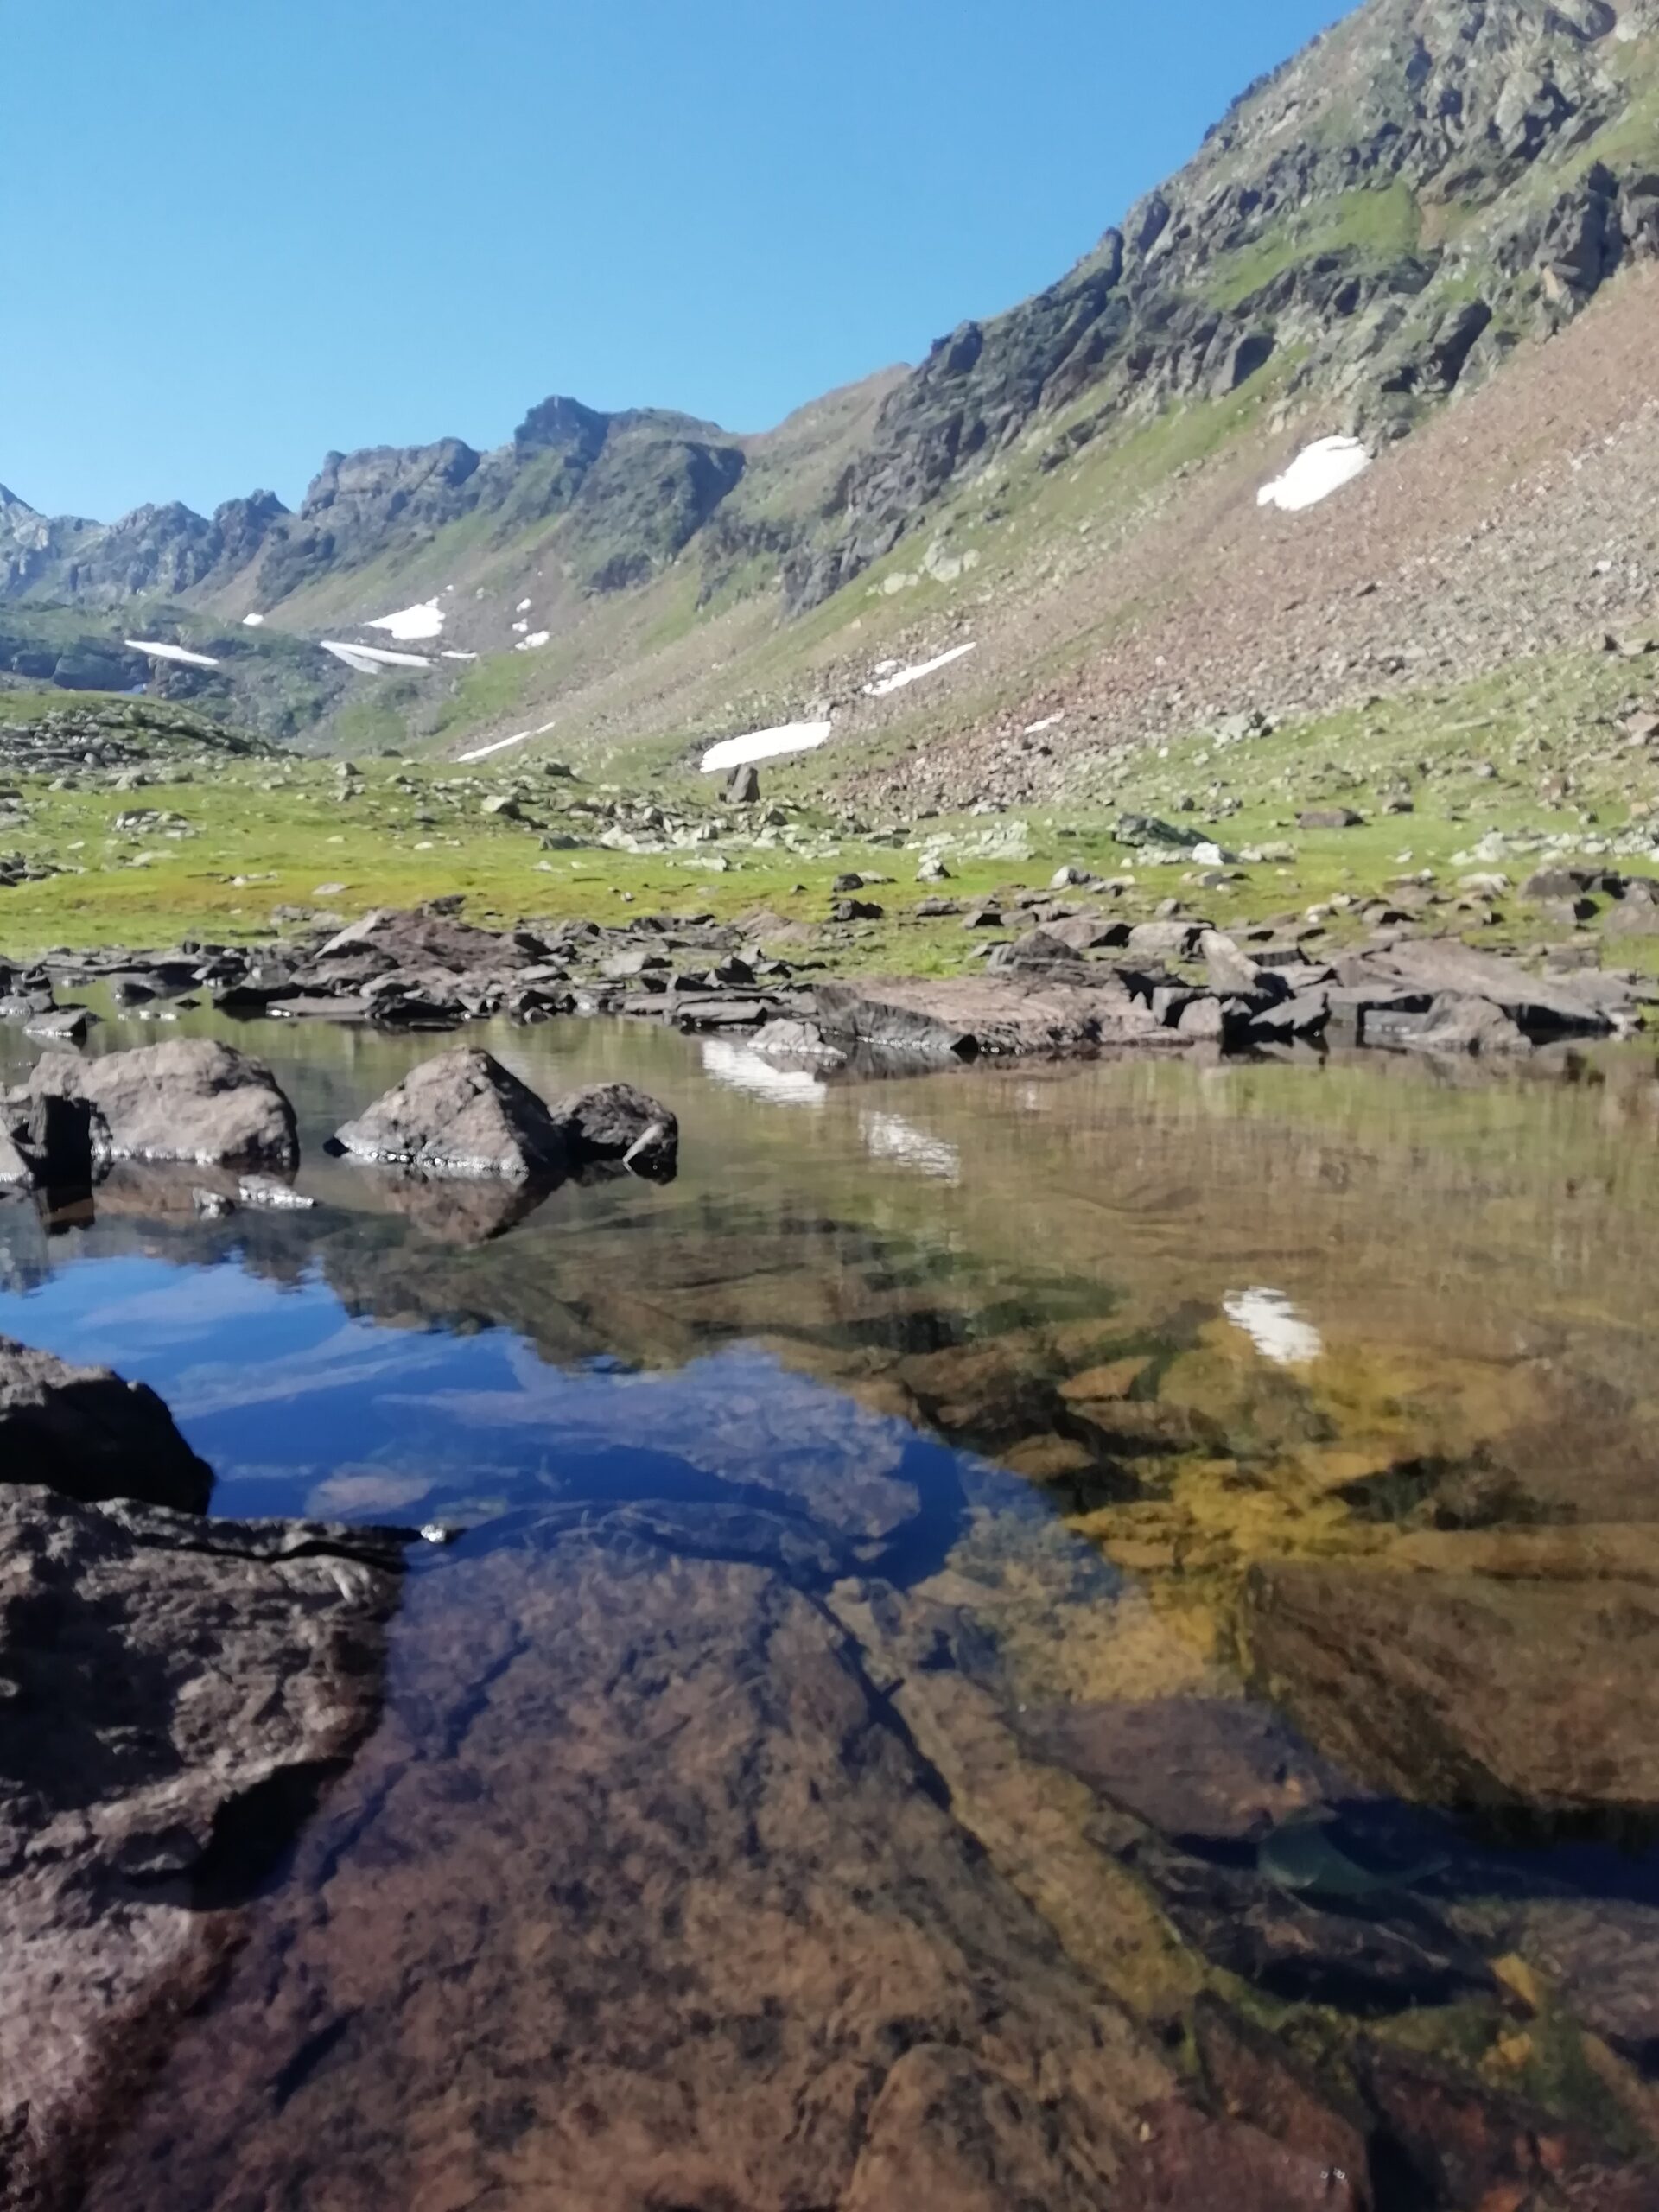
[736,1067]
[411,623]
[369,660]
[253,621]
[181,654]
[1317,472]
[888,684]
[519,737]
[766,745]
[888,1136]
[1274,1325]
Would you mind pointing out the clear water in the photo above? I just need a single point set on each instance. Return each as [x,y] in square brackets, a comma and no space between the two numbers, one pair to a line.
[858,1644]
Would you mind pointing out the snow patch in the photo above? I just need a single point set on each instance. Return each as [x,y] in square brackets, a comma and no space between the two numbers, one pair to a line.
[534,642]
[1317,472]
[886,684]
[449,652]
[409,624]
[369,660]
[1049,721]
[253,621]
[1274,1326]
[766,745]
[519,737]
[179,653]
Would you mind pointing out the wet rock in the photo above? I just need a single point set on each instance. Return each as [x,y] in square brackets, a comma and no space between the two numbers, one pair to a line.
[191,1099]
[462,1113]
[86,1433]
[924,1021]
[1452,1689]
[613,1124]
[144,1793]
[1456,2143]
[1450,1023]
[49,1142]
[62,1025]
[1254,2076]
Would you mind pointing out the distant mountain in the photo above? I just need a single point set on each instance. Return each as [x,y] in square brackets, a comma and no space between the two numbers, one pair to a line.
[1372,228]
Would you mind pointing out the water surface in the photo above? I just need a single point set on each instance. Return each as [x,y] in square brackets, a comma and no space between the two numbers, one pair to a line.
[935,1582]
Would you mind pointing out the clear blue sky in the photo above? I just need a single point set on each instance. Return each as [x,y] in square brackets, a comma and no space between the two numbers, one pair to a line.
[239,232]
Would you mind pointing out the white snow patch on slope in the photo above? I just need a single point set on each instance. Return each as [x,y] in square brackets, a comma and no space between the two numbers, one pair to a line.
[253,621]
[179,653]
[1049,721]
[449,652]
[1317,472]
[884,685]
[1274,1325]
[766,745]
[368,660]
[519,737]
[533,642]
[409,624]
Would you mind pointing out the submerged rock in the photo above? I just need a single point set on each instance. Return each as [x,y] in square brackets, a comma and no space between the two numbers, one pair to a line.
[86,1434]
[176,1692]
[192,1099]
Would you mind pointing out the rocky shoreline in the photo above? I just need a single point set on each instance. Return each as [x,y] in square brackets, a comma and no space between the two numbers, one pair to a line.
[1072,982]
[174,1691]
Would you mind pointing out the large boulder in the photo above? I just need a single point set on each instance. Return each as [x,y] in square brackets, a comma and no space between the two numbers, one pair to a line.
[426,939]
[462,1113]
[191,1099]
[86,1433]
[176,1692]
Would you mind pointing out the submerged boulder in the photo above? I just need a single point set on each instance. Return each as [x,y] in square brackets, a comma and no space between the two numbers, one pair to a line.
[462,1113]
[86,1434]
[190,1099]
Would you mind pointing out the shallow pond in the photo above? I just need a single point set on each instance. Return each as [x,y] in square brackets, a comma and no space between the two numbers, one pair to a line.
[982,1580]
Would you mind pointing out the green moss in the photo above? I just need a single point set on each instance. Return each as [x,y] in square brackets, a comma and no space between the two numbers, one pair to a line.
[1376,226]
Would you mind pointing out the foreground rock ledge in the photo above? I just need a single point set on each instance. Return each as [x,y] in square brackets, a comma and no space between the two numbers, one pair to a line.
[86,1433]
[174,1691]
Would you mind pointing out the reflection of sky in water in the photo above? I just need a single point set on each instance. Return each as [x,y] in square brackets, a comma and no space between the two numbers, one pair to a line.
[889,1136]
[298,1408]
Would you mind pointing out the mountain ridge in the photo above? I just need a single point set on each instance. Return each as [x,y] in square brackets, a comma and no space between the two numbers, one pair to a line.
[1373,227]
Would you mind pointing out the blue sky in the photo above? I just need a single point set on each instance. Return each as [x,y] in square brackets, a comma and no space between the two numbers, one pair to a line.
[243,231]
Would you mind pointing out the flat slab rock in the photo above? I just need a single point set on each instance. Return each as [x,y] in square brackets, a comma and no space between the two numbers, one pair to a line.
[141,1791]
[964,1018]
[86,1432]
[190,1099]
